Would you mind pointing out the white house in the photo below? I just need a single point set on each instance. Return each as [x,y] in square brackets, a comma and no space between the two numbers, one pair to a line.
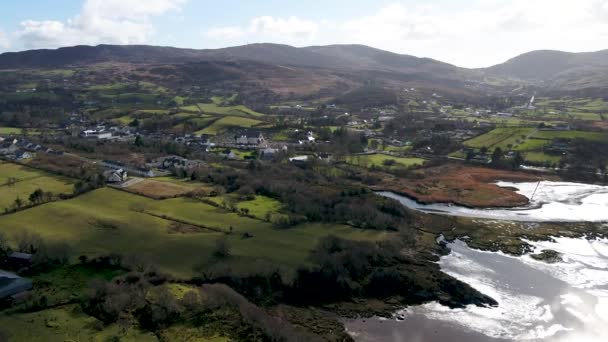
[249,138]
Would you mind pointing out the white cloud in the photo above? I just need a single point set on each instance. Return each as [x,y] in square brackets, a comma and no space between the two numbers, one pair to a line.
[4,42]
[292,27]
[223,33]
[100,21]
[482,33]
[285,30]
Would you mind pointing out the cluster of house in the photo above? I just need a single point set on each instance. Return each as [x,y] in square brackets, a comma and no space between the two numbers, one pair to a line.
[117,172]
[106,133]
[175,162]
[22,149]
[116,176]
[249,138]
[120,167]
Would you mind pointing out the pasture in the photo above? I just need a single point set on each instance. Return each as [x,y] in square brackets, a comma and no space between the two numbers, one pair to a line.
[591,136]
[28,180]
[111,221]
[379,160]
[504,137]
[227,122]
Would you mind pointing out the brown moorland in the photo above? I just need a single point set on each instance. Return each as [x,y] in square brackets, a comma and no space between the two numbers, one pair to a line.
[470,186]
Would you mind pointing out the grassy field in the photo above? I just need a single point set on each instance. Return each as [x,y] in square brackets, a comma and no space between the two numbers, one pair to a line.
[227,122]
[65,323]
[213,108]
[540,157]
[500,137]
[378,159]
[108,220]
[258,207]
[10,130]
[16,131]
[218,106]
[592,136]
[28,180]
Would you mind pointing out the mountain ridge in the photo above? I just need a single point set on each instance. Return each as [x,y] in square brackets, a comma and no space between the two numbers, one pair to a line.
[548,68]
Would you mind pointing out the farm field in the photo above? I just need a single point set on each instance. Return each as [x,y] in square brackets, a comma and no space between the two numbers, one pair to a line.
[217,107]
[378,159]
[259,207]
[229,121]
[28,181]
[107,220]
[500,137]
[65,323]
[160,189]
[16,131]
[591,136]
[540,157]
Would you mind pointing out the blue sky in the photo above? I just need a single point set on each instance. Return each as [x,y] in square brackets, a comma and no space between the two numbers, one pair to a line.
[470,33]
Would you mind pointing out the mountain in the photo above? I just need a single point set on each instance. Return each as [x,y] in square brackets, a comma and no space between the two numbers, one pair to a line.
[357,57]
[342,65]
[557,69]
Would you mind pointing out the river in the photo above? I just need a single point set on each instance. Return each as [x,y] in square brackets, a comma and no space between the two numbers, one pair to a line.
[538,301]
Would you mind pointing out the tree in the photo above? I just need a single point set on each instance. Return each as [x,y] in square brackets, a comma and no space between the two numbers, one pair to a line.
[4,249]
[18,203]
[11,181]
[139,142]
[222,248]
[36,196]
[497,156]
[517,161]
[28,242]
[134,123]
[470,155]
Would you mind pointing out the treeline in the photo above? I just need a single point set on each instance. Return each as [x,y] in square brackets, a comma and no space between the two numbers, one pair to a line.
[309,195]
[145,300]
[586,161]
[342,270]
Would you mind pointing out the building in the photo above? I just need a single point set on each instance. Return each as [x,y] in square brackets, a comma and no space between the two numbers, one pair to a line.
[95,134]
[23,155]
[11,285]
[249,138]
[9,146]
[176,162]
[139,171]
[229,154]
[17,260]
[115,176]
[268,153]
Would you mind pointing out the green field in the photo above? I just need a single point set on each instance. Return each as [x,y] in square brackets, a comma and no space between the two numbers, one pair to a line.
[227,122]
[218,107]
[369,160]
[591,136]
[503,137]
[212,108]
[258,207]
[17,131]
[10,130]
[66,323]
[28,180]
[540,157]
[108,220]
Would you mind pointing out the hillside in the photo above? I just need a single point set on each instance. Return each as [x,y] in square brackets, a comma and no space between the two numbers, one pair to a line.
[338,66]
[557,70]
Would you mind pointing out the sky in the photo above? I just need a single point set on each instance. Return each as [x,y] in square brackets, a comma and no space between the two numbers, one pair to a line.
[467,33]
